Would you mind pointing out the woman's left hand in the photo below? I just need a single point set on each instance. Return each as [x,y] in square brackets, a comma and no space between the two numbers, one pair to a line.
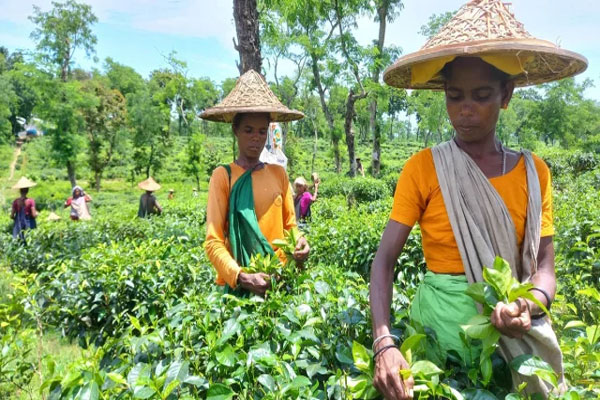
[302,250]
[512,320]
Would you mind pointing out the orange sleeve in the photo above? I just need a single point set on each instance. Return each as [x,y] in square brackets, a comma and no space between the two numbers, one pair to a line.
[410,198]
[546,189]
[216,220]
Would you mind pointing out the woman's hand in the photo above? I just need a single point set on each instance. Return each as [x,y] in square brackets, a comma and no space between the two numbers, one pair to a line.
[302,250]
[512,320]
[387,378]
[257,283]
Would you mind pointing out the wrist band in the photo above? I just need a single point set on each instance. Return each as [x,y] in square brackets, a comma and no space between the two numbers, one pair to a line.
[380,338]
[548,302]
[384,348]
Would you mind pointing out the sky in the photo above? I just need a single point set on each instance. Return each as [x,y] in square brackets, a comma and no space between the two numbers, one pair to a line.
[141,33]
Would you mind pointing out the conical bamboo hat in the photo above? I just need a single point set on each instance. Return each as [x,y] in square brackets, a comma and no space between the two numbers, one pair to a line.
[485,29]
[251,94]
[53,217]
[24,183]
[149,185]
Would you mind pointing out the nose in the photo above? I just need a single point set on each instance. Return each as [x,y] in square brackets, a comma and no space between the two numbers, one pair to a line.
[466,108]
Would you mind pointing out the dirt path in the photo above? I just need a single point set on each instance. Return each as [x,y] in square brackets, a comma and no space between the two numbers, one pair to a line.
[14,161]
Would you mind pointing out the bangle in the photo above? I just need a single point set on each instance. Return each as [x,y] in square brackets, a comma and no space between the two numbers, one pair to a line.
[384,348]
[380,338]
[548,302]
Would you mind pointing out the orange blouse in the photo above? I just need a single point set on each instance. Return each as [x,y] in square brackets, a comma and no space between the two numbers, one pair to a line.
[274,208]
[418,198]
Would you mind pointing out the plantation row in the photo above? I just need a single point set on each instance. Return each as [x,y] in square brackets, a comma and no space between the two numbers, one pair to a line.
[139,297]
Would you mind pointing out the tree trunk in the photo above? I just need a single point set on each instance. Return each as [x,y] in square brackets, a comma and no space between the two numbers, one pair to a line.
[382,11]
[376,151]
[315,147]
[97,178]
[328,116]
[71,173]
[350,112]
[245,15]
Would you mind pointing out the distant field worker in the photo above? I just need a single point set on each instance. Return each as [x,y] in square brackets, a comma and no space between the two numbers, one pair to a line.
[171,195]
[250,203]
[148,203]
[359,168]
[78,203]
[23,210]
[195,192]
[303,199]
[474,198]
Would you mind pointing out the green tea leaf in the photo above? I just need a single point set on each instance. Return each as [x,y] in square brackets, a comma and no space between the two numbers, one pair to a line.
[411,341]
[361,357]
[425,369]
[91,391]
[268,382]
[476,292]
[218,391]
[499,277]
[529,365]
[143,392]
[227,356]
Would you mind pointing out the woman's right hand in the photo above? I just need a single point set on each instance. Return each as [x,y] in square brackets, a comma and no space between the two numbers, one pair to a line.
[387,378]
[257,283]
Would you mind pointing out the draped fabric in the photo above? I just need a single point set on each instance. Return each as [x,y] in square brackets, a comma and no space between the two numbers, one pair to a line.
[483,230]
[245,237]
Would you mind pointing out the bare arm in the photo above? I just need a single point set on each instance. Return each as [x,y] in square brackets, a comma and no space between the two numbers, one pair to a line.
[387,364]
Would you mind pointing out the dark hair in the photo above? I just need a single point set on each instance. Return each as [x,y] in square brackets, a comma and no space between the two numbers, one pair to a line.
[237,119]
[501,76]
[24,190]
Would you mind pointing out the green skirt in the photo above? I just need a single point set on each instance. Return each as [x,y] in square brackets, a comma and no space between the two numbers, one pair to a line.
[442,305]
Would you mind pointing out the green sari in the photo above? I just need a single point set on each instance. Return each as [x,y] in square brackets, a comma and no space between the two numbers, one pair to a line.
[245,237]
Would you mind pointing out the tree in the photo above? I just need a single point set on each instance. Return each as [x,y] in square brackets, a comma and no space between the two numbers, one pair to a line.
[245,15]
[195,160]
[123,78]
[150,122]
[387,10]
[61,31]
[104,114]
[58,34]
[304,21]
[345,14]
[8,98]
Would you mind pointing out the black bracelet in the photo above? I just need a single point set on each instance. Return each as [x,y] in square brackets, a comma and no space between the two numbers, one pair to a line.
[384,348]
[548,302]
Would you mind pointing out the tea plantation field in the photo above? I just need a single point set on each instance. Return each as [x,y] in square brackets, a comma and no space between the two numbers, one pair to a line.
[122,308]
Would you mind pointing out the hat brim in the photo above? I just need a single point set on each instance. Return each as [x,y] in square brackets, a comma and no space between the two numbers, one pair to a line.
[24,185]
[149,187]
[226,114]
[542,62]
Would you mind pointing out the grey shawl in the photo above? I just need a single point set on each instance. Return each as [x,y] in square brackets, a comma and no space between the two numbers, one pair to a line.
[483,228]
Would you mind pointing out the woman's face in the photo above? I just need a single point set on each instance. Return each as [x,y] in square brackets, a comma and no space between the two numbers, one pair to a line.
[299,189]
[251,134]
[76,193]
[474,96]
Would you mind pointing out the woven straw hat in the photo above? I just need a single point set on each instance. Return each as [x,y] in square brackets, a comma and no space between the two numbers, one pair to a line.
[149,185]
[251,94]
[24,183]
[488,30]
[53,217]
